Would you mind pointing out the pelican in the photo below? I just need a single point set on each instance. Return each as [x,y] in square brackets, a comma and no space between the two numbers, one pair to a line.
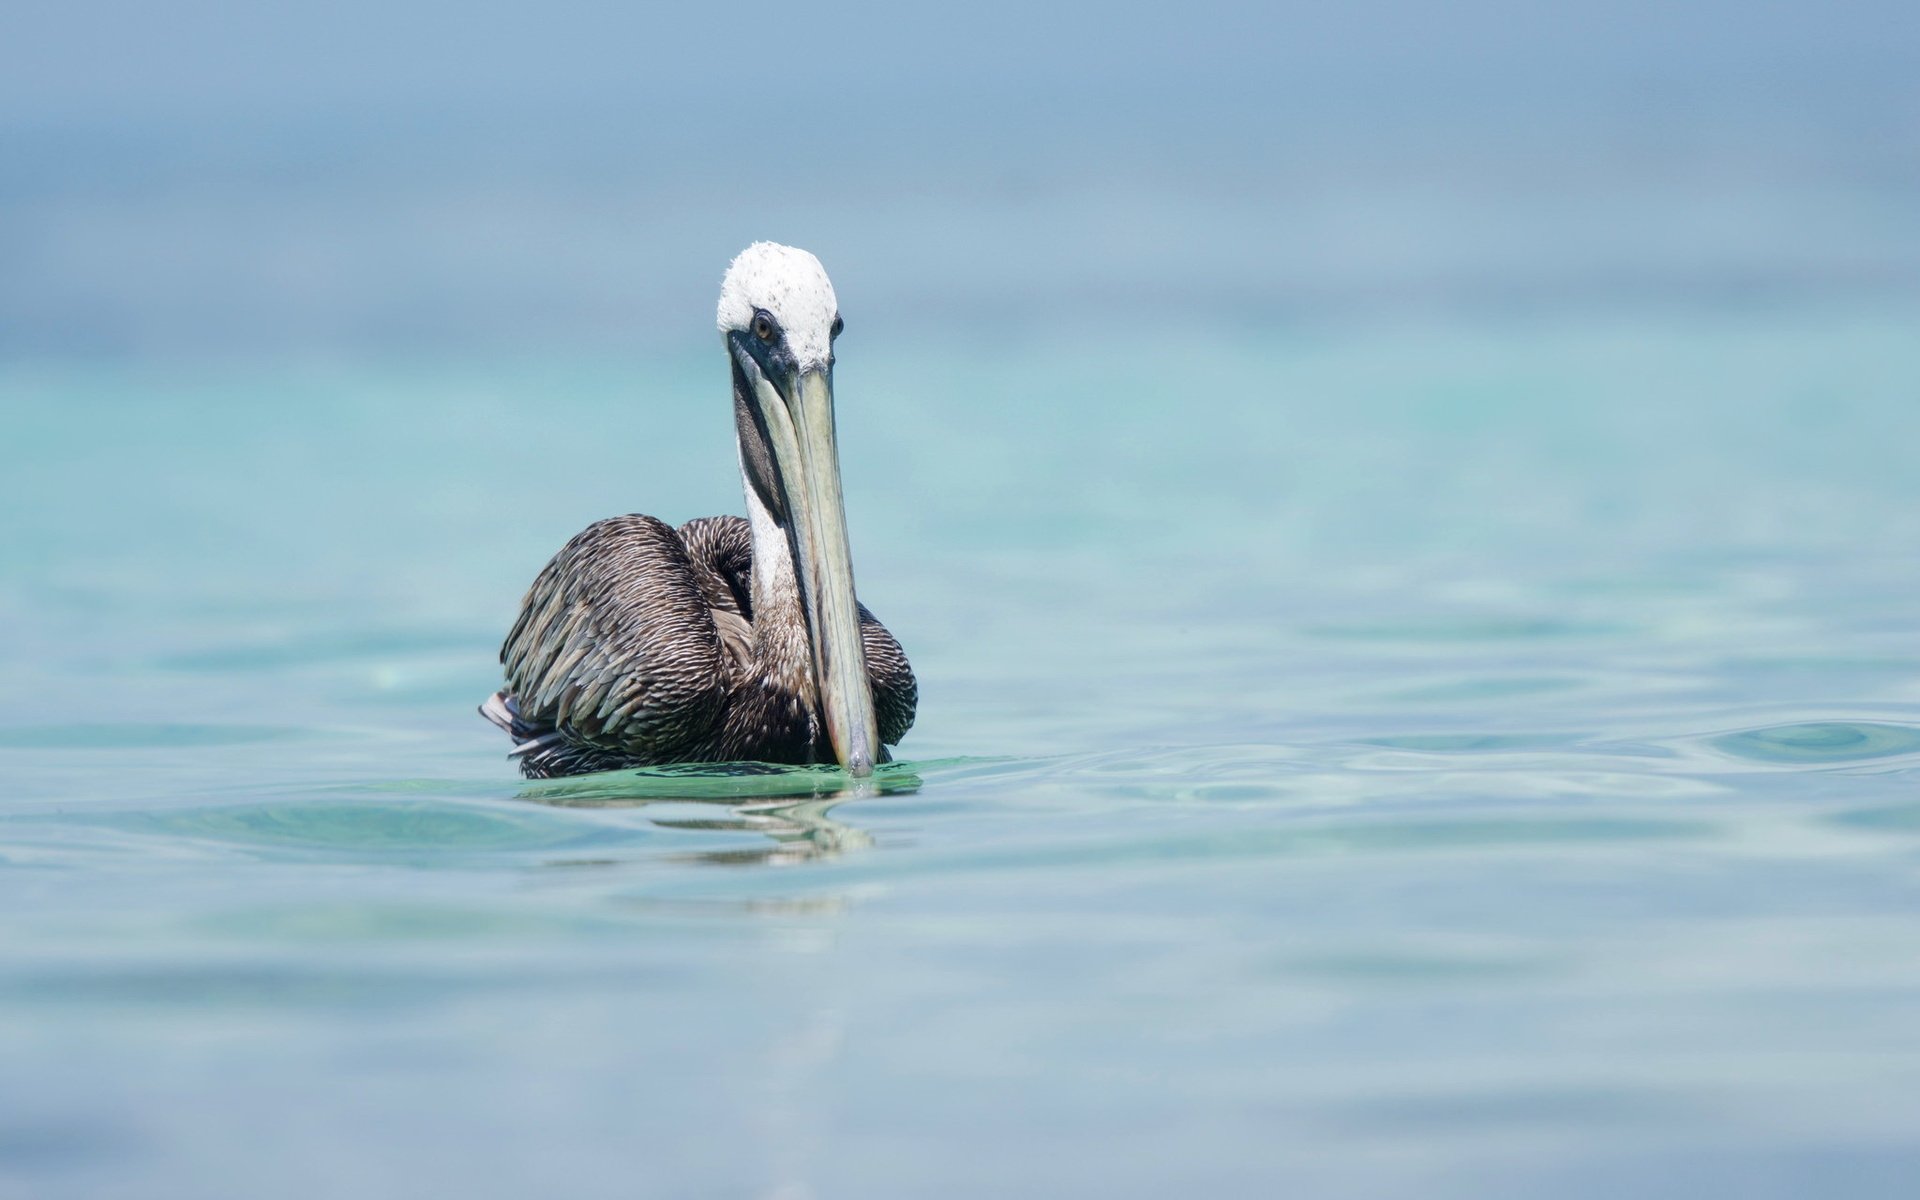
[728,639]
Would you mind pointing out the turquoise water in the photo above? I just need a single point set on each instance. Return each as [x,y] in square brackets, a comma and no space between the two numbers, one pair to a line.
[1467,755]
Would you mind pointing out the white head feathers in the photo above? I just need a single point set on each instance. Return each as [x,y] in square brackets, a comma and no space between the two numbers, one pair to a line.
[792,286]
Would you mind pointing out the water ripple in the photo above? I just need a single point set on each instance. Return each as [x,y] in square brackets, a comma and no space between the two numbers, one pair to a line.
[321,650]
[1467,629]
[1820,742]
[1475,743]
[382,828]
[1487,687]
[1460,835]
[137,736]
[1896,818]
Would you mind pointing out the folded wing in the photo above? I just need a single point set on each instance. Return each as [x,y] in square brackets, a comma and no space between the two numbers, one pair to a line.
[616,647]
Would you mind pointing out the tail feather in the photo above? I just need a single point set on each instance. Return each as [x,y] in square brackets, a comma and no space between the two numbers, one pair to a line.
[502,711]
[533,744]
[542,751]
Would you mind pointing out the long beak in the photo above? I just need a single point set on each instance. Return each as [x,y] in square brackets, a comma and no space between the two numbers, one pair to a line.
[801,432]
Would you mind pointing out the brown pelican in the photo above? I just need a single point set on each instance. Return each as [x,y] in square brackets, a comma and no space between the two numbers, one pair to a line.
[726,639]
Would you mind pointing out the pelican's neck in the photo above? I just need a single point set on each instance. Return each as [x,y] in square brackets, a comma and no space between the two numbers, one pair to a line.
[780,644]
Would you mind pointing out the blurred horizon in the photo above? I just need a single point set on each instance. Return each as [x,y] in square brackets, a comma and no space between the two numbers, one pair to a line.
[218,181]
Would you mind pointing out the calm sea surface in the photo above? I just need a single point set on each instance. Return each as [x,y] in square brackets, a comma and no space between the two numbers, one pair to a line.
[1470,756]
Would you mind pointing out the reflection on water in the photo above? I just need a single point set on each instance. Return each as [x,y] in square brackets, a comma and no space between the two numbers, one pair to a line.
[799,832]
[760,798]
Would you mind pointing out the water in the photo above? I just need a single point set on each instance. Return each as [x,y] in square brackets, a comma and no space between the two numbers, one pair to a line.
[1460,755]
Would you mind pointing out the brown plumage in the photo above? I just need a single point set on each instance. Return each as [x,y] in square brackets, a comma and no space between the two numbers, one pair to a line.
[636,646]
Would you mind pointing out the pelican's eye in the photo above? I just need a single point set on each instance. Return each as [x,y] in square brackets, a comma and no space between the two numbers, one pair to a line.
[838,325]
[763,326]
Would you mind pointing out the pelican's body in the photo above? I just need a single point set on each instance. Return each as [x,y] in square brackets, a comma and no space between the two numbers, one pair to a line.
[726,639]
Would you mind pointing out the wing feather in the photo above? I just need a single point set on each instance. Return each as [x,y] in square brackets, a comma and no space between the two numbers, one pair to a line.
[896,694]
[616,647]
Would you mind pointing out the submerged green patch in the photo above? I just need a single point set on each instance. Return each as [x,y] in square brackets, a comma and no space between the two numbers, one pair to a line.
[718,781]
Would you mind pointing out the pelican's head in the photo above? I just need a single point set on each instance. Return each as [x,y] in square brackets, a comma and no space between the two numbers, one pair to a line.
[790,290]
[779,317]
